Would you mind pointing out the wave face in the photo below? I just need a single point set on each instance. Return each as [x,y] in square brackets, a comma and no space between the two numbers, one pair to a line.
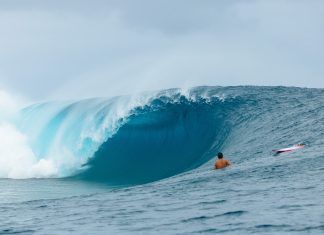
[168,136]
[138,139]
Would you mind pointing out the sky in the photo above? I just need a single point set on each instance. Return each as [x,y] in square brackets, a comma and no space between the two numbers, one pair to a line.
[62,49]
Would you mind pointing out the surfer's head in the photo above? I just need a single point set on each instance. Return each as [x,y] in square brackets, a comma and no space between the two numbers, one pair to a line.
[220,155]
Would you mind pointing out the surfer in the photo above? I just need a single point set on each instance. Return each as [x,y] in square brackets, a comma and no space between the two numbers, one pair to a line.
[220,162]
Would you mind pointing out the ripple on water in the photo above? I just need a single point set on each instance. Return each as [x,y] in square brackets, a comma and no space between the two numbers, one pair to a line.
[229,213]
[16,231]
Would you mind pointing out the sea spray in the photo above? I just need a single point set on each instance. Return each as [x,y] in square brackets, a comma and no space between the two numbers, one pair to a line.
[17,159]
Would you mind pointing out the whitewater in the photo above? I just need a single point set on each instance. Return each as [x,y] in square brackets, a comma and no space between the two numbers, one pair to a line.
[143,163]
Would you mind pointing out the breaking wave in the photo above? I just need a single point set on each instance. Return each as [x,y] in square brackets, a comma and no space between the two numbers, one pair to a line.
[135,139]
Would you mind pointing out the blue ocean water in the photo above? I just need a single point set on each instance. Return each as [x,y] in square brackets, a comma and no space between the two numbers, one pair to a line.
[144,164]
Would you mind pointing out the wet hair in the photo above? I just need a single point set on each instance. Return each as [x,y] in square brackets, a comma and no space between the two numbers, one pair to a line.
[220,155]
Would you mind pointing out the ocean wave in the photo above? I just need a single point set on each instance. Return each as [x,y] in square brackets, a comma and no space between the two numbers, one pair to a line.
[149,136]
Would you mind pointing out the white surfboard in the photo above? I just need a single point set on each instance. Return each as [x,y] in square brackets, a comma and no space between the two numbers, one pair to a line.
[289,149]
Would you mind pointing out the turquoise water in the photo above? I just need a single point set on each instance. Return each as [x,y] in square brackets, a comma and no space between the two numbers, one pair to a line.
[145,167]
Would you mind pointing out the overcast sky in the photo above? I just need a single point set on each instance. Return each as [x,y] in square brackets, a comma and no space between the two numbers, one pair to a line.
[53,49]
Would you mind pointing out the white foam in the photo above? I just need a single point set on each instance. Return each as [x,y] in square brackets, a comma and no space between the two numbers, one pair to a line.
[17,159]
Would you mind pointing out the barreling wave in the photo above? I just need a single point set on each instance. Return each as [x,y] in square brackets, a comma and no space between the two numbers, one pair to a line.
[128,139]
[142,138]
[167,136]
